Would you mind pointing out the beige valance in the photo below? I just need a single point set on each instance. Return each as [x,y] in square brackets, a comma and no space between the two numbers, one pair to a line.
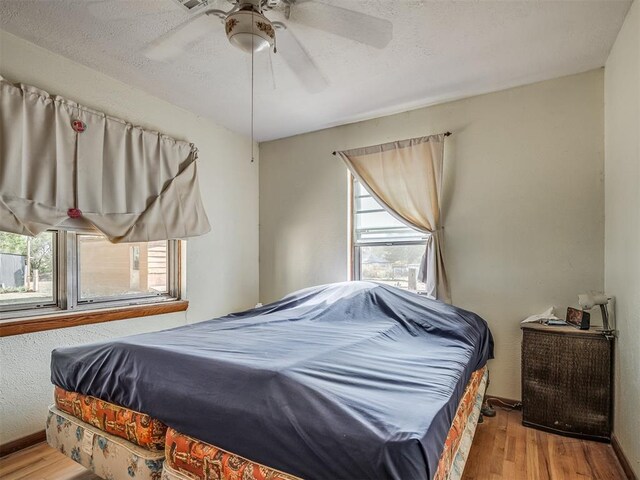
[405,177]
[62,164]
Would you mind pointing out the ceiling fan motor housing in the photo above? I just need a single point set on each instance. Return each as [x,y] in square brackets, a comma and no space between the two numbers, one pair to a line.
[249,30]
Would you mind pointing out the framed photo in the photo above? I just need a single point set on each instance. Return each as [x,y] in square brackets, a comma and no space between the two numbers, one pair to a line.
[578,318]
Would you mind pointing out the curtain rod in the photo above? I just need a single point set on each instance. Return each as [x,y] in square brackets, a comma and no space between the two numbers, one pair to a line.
[446,134]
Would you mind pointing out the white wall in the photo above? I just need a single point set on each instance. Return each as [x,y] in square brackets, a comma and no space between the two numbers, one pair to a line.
[622,227]
[221,266]
[524,221]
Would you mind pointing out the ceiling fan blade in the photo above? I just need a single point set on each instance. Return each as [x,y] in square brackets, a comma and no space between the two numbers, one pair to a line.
[358,26]
[296,57]
[175,42]
[129,9]
[263,67]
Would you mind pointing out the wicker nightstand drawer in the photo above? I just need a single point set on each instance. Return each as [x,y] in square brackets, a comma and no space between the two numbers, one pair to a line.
[567,381]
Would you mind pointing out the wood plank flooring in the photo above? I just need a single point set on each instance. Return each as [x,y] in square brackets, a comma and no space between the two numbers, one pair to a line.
[42,462]
[502,449]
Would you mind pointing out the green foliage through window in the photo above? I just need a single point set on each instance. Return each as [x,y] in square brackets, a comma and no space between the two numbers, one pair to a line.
[38,250]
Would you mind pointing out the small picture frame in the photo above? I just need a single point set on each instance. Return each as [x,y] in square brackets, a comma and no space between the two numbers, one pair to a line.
[578,318]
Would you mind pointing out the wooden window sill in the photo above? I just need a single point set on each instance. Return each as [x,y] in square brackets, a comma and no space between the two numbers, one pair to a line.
[88,317]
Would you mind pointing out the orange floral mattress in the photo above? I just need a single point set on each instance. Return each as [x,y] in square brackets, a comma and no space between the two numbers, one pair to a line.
[138,428]
[204,461]
[201,460]
[452,443]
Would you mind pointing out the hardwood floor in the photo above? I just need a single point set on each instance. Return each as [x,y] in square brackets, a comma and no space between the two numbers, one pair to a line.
[502,449]
[42,462]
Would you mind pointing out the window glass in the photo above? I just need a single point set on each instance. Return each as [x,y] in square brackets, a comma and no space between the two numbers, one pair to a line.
[125,269]
[27,269]
[372,223]
[395,265]
[385,249]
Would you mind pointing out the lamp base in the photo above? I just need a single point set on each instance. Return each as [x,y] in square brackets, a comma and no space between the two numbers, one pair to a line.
[607,332]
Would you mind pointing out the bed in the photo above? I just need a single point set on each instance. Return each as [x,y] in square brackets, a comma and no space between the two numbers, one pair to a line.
[351,380]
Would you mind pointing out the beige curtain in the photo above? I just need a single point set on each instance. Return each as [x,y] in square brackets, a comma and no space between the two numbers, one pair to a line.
[406,179]
[65,165]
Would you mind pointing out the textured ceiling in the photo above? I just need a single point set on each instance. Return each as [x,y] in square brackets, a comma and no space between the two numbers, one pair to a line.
[440,50]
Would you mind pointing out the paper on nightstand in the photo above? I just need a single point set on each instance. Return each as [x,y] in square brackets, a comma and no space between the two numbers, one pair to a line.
[541,317]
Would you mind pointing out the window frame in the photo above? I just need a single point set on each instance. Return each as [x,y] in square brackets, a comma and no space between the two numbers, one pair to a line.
[355,250]
[22,309]
[173,287]
[66,294]
[356,254]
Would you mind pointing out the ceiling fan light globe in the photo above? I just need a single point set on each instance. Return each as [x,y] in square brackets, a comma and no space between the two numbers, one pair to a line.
[250,31]
[248,42]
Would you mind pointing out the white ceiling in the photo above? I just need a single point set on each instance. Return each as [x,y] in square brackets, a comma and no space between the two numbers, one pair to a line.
[440,50]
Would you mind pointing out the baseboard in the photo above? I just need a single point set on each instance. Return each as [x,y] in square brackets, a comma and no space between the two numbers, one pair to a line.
[504,402]
[21,443]
[626,466]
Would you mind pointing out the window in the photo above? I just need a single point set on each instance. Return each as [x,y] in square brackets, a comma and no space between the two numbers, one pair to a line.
[27,271]
[60,271]
[384,249]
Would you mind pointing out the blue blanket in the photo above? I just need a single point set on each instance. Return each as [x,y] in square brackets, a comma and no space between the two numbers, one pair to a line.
[353,380]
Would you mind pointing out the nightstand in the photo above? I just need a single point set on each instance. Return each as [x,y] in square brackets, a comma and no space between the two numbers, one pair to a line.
[567,381]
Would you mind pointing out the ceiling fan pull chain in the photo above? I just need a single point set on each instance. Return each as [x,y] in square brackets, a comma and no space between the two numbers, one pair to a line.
[252,88]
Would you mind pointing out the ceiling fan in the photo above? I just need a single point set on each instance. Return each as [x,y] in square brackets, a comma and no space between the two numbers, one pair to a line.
[248,28]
